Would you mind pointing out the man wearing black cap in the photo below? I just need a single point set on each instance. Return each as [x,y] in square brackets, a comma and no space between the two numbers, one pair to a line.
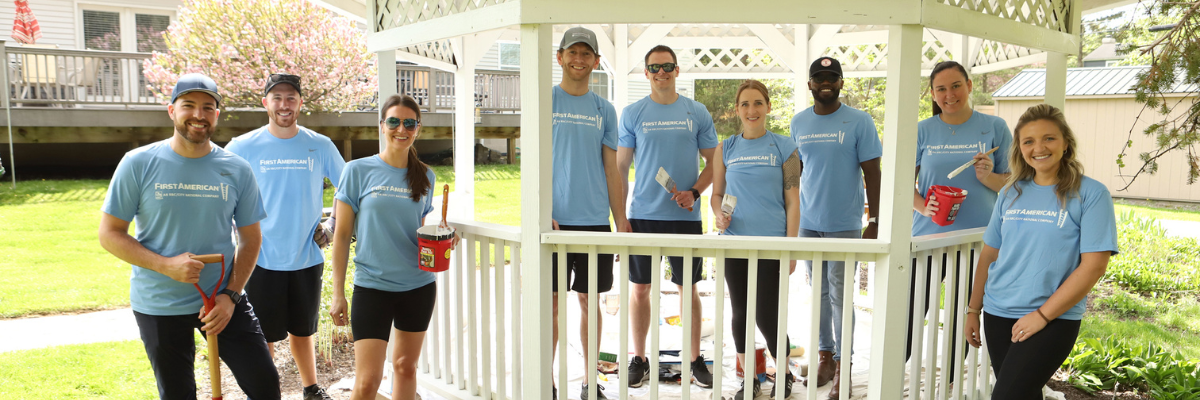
[586,182]
[290,163]
[187,196]
[836,142]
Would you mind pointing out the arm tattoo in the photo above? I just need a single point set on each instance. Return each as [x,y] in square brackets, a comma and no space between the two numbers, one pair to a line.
[791,171]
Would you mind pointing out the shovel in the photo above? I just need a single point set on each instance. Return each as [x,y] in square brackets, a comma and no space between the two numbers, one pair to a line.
[214,359]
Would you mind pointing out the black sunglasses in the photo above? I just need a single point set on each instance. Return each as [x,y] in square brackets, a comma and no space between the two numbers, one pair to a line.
[825,78]
[409,123]
[283,78]
[669,67]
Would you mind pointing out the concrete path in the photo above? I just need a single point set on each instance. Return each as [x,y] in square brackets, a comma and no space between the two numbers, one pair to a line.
[34,333]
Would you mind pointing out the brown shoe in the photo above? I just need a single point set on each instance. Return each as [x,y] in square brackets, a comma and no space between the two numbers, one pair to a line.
[825,369]
[835,391]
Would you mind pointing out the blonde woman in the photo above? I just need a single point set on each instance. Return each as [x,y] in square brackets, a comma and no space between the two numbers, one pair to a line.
[1049,241]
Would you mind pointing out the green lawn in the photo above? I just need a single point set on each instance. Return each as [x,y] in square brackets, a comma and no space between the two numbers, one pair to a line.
[1158,213]
[114,370]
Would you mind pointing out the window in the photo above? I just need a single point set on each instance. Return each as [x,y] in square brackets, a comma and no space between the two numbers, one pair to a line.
[510,56]
[599,83]
[124,29]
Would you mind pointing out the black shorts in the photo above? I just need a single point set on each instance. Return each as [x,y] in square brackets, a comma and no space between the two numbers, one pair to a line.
[642,268]
[374,311]
[286,301]
[577,265]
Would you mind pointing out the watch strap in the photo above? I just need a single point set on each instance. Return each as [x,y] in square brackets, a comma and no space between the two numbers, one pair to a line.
[973,311]
[235,296]
[695,193]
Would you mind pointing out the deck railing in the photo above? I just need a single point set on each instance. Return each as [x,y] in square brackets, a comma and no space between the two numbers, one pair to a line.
[41,76]
[473,346]
[495,91]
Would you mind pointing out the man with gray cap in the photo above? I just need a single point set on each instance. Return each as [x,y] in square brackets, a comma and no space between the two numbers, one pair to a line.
[290,163]
[839,150]
[187,196]
[586,183]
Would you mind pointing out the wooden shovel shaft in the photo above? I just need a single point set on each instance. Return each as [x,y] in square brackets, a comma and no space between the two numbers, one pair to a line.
[445,201]
[214,367]
[207,258]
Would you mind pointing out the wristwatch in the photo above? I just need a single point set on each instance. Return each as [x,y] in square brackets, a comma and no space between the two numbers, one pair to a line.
[972,311]
[873,220]
[235,296]
[695,193]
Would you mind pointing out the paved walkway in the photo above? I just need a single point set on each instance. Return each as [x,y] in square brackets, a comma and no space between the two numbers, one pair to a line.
[34,333]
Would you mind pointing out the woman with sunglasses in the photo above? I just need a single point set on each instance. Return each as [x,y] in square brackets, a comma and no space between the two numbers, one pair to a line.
[761,169]
[954,135]
[383,200]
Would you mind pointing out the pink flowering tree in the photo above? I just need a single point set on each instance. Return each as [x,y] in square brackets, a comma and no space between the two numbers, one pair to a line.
[239,43]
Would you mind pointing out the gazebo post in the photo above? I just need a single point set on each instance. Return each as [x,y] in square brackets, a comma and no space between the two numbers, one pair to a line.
[800,93]
[895,218]
[536,175]
[1056,79]
[621,66]
[464,126]
[387,81]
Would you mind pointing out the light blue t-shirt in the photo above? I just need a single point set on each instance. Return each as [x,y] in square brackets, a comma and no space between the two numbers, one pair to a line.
[754,174]
[180,205]
[941,148]
[291,175]
[669,137]
[832,147]
[1040,243]
[583,126]
[385,221]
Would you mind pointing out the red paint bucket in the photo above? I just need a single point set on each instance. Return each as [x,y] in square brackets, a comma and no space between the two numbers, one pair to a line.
[434,243]
[949,200]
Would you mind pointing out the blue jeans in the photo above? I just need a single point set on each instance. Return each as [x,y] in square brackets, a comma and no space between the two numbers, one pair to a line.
[832,278]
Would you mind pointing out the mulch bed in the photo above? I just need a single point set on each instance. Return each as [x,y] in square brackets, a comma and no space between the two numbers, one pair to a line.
[1073,393]
[329,371]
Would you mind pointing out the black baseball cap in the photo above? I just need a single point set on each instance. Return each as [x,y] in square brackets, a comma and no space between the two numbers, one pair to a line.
[825,64]
[276,79]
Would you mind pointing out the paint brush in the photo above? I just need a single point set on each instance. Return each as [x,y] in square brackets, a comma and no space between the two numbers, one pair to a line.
[968,164]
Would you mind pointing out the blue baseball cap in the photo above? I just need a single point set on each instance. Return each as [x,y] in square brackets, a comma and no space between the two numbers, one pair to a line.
[195,83]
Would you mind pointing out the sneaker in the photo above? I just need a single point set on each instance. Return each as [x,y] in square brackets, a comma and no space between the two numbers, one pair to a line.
[787,386]
[599,392]
[701,374]
[741,393]
[639,372]
[315,392]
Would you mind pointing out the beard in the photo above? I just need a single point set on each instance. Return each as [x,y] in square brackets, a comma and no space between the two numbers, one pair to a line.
[281,122]
[199,138]
[833,97]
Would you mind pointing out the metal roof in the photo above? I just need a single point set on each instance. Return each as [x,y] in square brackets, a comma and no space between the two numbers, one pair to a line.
[1097,81]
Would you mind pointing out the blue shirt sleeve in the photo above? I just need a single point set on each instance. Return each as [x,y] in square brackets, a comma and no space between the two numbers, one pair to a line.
[1098,224]
[1004,139]
[124,193]
[921,145]
[707,137]
[249,208]
[347,191]
[795,138]
[627,133]
[991,235]
[334,164]
[869,146]
[610,129]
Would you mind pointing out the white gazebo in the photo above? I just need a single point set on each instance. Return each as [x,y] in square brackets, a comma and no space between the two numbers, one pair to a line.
[489,338]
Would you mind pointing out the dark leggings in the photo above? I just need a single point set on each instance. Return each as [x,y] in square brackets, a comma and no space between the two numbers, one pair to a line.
[1022,368]
[767,309]
[951,301]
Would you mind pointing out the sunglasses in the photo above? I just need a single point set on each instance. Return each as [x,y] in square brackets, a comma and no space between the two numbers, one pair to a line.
[669,67]
[283,78]
[409,123]
[825,78]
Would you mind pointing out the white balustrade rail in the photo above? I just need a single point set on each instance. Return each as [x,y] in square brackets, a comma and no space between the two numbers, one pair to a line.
[937,341]
[44,76]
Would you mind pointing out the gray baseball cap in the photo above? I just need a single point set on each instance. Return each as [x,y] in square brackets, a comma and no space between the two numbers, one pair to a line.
[579,34]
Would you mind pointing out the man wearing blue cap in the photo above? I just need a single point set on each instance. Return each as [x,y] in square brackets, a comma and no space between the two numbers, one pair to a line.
[187,196]
[290,163]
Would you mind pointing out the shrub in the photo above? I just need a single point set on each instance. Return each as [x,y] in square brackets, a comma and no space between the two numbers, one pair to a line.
[1114,364]
[1150,262]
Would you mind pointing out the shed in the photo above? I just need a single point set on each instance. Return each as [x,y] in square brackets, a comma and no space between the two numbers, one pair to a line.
[1104,115]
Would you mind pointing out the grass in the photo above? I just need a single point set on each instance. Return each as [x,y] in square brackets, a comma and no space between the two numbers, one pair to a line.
[1157,213]
[114,370]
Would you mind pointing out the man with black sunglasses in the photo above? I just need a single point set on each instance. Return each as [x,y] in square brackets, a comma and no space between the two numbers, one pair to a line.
[665,131]
[586,183]
[291,164]
[839,149]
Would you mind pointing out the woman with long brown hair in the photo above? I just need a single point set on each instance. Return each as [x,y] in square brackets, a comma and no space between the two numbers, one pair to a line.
[1051,235]
[383,200]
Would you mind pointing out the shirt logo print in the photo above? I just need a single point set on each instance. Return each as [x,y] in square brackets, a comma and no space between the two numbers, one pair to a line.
[1062,217]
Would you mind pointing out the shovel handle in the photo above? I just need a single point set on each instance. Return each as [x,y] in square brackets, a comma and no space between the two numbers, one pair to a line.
[207,258]
[214,367]
[445,201]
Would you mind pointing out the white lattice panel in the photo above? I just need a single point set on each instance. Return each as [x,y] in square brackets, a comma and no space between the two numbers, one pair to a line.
[933,52]
[860,58]
[393,13]
[734,60]
[993,52]
[438,50]
[1049,14]
[710,30]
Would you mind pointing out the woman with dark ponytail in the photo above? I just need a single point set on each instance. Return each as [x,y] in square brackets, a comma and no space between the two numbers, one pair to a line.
[953,136]
[383,200]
